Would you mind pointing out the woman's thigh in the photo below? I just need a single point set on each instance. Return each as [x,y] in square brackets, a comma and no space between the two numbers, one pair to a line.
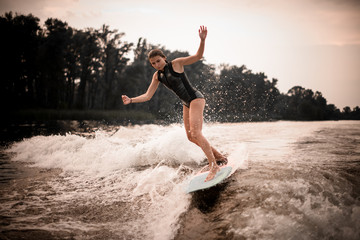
[196,114]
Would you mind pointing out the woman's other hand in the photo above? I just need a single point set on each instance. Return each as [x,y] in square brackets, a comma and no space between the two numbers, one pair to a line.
[126,100]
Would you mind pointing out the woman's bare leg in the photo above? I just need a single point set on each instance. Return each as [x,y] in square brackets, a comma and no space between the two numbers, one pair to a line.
[217,154]
[195,122]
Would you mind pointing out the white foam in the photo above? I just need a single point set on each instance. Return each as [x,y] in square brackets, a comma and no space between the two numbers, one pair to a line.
[141,164]
[104,154]
[239,157]
[164,186]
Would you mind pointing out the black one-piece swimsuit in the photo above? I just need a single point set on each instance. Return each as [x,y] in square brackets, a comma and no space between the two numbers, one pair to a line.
[179,84]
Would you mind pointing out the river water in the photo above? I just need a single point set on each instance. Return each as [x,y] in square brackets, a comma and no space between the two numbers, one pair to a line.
[295,180]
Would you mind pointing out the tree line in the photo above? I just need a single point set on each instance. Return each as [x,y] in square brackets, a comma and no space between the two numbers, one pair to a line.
[55,66]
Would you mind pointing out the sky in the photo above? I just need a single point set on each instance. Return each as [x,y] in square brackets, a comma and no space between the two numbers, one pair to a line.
[310,43]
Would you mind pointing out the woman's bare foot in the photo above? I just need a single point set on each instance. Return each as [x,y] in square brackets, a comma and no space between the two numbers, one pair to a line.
[222,161]
[213,170]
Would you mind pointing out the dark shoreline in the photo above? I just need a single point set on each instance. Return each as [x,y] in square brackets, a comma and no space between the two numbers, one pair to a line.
[126,117]
[18,130]
[20,124]
[61,114]
[17,125]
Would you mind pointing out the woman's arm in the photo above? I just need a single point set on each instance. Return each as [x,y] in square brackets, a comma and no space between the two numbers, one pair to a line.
[179,63]
[146,96]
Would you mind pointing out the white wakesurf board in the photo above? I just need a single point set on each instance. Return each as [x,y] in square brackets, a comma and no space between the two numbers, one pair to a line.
[198,182]
[236,159]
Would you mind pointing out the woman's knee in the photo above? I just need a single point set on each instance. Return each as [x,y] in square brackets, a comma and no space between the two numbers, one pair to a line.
[191,139]
[196,135]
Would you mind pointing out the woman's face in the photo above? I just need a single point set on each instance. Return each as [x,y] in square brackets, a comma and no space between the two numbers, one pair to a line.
[158,62]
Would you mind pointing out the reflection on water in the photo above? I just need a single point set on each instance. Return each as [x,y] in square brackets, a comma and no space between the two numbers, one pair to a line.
[296,180]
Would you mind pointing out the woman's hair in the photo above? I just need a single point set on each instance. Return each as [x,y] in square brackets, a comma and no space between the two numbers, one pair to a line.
[156,52]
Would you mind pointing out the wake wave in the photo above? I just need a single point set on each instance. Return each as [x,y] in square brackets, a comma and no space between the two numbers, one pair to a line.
[129,147]
[147,168]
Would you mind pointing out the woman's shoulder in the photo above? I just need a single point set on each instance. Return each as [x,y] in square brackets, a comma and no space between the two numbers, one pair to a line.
[177,66]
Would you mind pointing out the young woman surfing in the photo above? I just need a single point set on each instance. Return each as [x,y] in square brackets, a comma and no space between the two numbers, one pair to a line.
[172,75]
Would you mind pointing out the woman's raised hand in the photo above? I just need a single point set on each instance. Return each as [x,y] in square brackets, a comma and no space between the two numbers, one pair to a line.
[202,32]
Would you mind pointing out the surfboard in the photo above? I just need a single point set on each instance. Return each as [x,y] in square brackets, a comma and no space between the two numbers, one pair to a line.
[198,182]
[236,159]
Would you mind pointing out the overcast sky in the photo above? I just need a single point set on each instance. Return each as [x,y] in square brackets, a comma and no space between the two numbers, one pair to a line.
[311,43]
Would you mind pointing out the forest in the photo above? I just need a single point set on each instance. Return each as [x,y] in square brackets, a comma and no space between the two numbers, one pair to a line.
[57,67]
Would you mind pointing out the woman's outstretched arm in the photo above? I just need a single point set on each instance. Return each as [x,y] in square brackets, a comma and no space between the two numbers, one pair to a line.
[180,62]
[146,96]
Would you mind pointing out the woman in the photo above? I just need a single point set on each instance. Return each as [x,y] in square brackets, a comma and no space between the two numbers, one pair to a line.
[172,75]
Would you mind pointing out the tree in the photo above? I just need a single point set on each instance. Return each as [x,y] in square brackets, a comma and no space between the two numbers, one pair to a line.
[19,44]
[355,113]
[87,55]
[58,67]
[52,63]
[113,62]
